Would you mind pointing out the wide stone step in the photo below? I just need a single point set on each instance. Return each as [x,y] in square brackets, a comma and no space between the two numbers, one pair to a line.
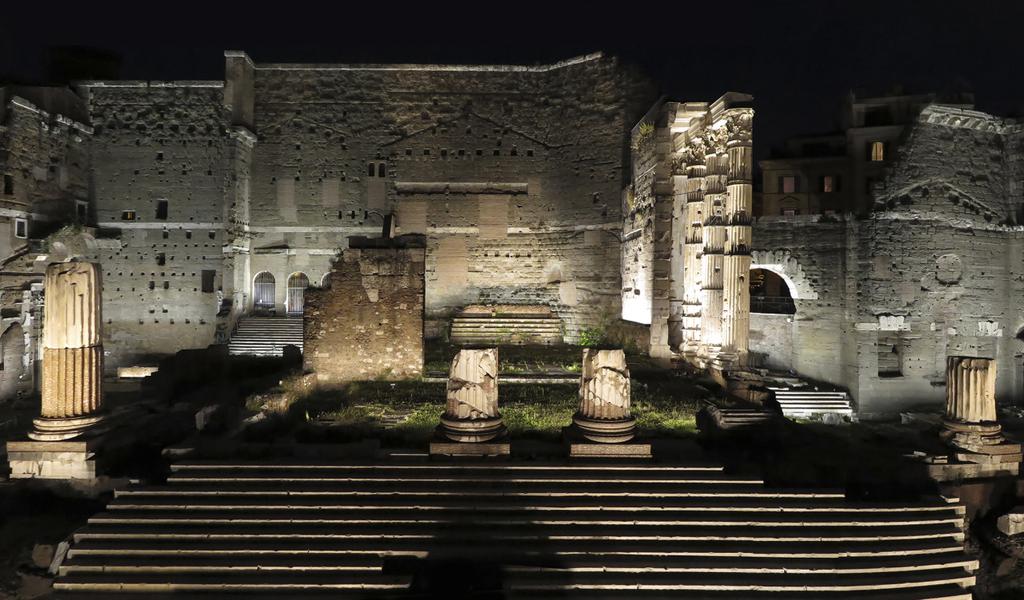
[97,562]
[541,494]
[511,533]
[528,580]
[941,592]
[223,581]
[596,517]
[491,505]
[514,579]
[654,551]
[615,470]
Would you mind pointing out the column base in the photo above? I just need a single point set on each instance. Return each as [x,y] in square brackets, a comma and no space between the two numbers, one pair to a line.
[604,431]
[980,443]
[45,429]
[471,430]
[442,445]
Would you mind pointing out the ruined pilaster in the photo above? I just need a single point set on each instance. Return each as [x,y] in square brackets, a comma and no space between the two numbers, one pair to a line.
[693,249]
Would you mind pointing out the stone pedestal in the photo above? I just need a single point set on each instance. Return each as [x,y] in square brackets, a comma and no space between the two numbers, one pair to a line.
[970,425]
[72,379]
[603,425]
[471,423]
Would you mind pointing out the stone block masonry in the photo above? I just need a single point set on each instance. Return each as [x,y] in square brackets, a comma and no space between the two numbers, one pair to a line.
[369,323]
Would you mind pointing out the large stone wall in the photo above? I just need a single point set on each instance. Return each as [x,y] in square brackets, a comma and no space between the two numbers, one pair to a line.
[369,323]
[161,143]
[936,270]
[513,174]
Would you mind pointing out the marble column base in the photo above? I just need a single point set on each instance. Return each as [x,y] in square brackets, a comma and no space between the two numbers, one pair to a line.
[471,430]
[59,429]
[604,431]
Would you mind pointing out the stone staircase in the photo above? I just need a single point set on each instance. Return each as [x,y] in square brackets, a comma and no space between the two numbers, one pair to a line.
[531,326]
[266,336]
[509,530]
[803,402]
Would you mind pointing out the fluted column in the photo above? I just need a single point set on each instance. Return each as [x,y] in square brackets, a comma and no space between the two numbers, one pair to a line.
[970,423]
[713,255]
[603,414]
[72,392]
[692,251]
[738,210]
[970,389]
[471,409]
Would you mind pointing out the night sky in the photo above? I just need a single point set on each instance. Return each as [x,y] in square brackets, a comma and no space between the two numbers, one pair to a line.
[798,58]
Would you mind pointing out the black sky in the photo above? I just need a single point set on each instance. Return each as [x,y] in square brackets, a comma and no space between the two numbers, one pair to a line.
[798,57]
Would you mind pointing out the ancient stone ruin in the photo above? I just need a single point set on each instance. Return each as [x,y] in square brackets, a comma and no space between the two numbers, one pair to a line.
[471,418]
[970,424]
[374,303]
[72,378]
[603,415]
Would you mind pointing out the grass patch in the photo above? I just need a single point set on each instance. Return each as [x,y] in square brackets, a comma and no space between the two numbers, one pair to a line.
[407,412]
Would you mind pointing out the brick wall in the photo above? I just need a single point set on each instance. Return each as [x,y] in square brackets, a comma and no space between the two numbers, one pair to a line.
[369,323]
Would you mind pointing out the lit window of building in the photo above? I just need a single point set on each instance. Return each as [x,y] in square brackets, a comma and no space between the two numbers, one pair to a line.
[787,183]
[828,184]
[877,151]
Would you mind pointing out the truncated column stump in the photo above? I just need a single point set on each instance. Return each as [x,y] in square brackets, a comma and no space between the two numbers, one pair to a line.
[603,425]
[471,424]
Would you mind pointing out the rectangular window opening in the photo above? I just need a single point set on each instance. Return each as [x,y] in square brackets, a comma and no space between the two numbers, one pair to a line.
[208,277]
[8,185]
[127,215]
[21,228]
[161,209]
[890,360]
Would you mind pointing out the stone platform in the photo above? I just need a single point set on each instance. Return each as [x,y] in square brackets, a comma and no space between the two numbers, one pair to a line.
[73,459]
[442,446]
[581,447]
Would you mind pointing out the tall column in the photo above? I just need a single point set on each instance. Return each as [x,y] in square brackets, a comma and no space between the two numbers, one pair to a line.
[693,250]
[713,255]
[970,422]
[72,352]
[738,210]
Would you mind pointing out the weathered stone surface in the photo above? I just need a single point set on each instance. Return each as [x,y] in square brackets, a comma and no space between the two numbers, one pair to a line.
[603,415]
[970,423]
[369,323]
[72,313]
[970,389]
[72,381]
[1012,523]
[604,384]
[472,390]
[471,407]
[72,393]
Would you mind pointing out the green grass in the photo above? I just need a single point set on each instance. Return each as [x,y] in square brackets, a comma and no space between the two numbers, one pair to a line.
[407,412]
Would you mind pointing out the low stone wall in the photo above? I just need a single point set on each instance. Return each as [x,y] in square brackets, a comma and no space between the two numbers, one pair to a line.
[369,323]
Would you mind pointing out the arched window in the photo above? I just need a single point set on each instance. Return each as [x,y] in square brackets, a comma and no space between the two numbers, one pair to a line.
[263,292]
[769,293]
[297,284]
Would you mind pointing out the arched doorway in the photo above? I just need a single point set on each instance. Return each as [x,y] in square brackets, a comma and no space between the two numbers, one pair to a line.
[770,294]
[263,292]
[12,365]
[297,284]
